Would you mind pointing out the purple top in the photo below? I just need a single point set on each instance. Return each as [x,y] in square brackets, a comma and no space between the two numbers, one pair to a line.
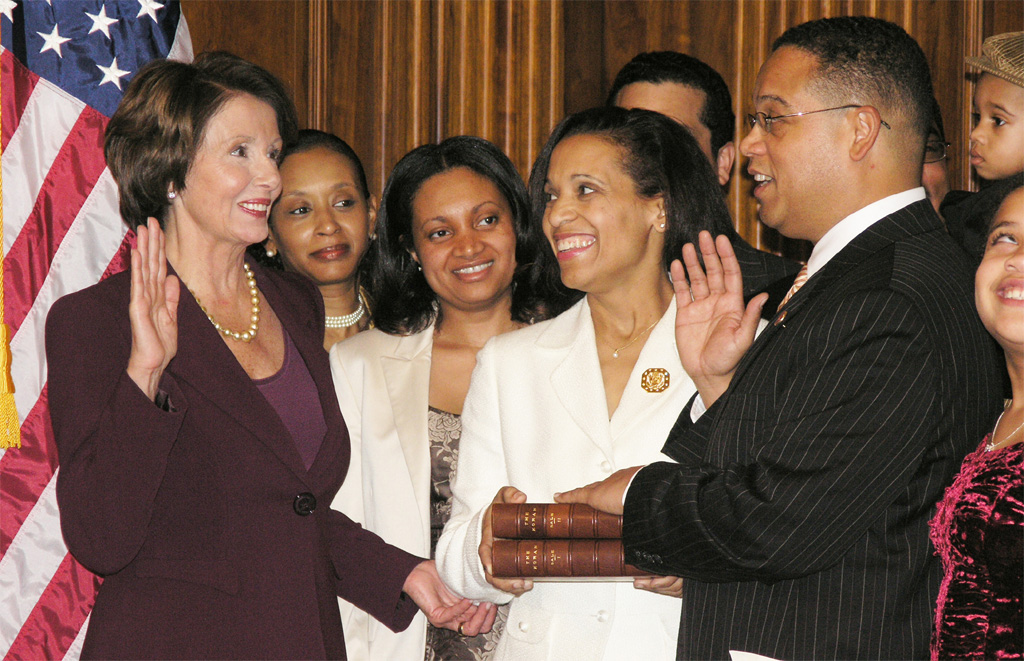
[293,395]
[978,531]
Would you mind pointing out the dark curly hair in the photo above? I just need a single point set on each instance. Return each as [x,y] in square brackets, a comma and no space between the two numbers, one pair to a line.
[662,158]
[405,303]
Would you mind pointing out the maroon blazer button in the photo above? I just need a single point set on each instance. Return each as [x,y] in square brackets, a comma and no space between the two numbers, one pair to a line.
[305,504]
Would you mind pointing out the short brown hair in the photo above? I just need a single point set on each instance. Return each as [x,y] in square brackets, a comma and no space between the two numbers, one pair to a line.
[157,129]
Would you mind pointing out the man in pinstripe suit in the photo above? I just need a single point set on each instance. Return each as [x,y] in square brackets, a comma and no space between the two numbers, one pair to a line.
[810,462]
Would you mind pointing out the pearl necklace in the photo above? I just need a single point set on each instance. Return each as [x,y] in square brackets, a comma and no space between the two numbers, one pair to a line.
[254,317]
[615,354]
[346,320]
[992,444]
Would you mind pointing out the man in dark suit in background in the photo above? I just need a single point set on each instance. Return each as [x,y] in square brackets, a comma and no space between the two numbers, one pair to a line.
[799,505]
[693,94]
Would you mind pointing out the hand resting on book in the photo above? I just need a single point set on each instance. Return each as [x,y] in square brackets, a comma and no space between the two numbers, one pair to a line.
[516,586]
[609,496]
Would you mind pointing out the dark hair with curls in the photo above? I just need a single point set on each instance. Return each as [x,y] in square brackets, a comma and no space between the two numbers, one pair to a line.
[672,67]
[662,158]
[871,61]
[158,128]
[405,303]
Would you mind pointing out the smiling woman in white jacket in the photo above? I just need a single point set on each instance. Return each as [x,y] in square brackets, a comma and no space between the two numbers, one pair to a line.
[571,400]
[452,233]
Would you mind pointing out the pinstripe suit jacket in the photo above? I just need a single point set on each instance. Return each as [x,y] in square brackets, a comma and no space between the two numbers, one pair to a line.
[801,501]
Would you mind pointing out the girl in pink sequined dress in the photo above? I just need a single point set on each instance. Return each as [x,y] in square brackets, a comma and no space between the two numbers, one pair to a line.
[979,527]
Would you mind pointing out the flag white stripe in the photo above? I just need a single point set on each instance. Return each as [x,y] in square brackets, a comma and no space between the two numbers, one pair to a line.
[45,125]
[75,650]
[80,260]
[29,564]
[181,49]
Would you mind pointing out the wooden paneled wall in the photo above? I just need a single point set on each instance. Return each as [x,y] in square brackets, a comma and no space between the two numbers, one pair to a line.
[388,75]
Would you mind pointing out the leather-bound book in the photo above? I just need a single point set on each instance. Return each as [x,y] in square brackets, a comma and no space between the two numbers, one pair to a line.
[553,521]
[546,558]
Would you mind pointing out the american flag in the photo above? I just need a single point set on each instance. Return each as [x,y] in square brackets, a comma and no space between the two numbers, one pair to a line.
[65,65]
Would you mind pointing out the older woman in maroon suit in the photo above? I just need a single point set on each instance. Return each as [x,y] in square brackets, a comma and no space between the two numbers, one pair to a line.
[199,436]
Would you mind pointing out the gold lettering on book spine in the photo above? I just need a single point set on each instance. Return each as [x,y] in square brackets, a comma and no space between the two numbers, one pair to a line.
[530,518]
[531,559]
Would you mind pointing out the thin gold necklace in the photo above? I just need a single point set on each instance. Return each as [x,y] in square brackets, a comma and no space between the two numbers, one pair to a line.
[615,354]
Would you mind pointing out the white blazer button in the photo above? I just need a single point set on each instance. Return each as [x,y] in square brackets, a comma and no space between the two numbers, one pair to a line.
[606,467]
[524,626]
[602,616]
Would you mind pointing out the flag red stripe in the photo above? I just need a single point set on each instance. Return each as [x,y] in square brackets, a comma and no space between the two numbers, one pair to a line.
[68,183]
[26,471]
[17,82]
[55,620]
[122,259]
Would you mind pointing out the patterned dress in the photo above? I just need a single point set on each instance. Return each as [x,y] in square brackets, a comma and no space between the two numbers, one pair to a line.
[444,430]
[978,531]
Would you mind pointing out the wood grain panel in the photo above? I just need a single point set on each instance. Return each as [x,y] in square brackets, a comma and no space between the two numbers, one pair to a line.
[388,75]
[353,93]
[242,27]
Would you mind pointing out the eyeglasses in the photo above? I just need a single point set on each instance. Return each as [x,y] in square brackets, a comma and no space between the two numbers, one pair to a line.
[765,121]
[935,151]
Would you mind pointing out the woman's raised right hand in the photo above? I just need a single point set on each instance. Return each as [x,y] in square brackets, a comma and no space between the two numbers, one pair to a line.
[153,310]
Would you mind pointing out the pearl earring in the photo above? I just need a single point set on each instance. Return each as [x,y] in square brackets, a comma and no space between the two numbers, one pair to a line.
[271,252]
[661,226]
[171,195]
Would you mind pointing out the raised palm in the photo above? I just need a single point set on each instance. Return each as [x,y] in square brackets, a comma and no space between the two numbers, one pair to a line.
[152,310]
[713,327]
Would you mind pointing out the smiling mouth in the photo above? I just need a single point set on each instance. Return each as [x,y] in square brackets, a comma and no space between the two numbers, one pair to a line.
[574,243]
[255,207]
[476,268]
[1012,293]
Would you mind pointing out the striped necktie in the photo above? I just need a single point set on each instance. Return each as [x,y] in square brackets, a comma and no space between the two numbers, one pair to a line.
[801,278]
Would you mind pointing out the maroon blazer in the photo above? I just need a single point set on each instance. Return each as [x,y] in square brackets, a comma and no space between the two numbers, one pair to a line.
[213,538]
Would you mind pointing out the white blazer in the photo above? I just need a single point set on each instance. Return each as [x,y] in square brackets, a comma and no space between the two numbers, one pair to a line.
[536,418]
[382,382]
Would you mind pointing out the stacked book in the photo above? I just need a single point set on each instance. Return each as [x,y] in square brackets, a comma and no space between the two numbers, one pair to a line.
[557,541]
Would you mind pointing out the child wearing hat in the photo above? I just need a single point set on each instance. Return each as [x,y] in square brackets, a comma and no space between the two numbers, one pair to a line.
[997,140]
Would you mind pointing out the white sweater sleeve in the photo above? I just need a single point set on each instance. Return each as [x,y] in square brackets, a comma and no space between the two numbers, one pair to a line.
[480,473]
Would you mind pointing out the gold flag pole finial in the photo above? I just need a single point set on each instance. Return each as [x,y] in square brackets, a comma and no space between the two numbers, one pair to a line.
[10,430]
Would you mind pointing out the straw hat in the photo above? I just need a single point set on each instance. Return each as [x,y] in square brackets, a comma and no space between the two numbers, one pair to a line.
[1002,55]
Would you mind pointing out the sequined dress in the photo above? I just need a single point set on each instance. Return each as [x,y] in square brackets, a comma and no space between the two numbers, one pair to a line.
[444,430]
[978,531]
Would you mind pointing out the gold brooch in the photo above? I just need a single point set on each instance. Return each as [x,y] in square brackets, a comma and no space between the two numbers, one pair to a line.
[654,379]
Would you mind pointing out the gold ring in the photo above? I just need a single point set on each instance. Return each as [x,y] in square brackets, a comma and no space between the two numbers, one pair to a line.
[461,632]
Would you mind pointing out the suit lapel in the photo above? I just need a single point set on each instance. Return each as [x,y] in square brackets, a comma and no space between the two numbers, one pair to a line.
[916,218]
[659,347]
[208,366]
[407,378]
[576,378]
